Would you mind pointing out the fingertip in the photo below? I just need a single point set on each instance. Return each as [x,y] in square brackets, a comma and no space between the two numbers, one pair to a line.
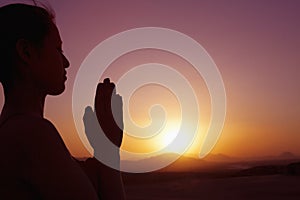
[112,84]
[106,80]
[100,85]
[88,109]
[114,91]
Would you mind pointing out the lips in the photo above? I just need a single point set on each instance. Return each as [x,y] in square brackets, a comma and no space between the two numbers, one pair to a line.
[65,76]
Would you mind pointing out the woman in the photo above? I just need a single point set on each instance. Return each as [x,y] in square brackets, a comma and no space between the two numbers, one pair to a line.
[35,163]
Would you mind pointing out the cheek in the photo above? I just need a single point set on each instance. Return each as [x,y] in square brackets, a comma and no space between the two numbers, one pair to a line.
[49,74]
[54,65]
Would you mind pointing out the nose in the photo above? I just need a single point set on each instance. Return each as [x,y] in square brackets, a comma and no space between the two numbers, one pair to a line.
[66,62]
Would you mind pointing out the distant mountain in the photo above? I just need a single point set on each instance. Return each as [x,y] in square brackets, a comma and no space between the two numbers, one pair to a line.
[261,170]
[219,162]
[182,163]
[224,158]
[219,158]
[287,155]
[148,163]
[186,164]
[292,169]
[284,156]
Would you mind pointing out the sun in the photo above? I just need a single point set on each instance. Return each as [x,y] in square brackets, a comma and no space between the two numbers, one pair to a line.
[168,135]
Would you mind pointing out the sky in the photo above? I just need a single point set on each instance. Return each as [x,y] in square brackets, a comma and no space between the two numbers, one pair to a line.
[255,45]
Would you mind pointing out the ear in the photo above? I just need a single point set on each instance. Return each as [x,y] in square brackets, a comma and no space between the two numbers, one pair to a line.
[25,50]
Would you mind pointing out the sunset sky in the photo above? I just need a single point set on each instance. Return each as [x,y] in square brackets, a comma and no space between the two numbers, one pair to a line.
[255,44]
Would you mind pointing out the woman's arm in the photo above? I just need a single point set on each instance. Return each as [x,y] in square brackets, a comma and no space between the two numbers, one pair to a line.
[107,181]
[109,115]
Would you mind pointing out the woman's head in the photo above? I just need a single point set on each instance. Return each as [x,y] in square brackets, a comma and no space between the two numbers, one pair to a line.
[24,30]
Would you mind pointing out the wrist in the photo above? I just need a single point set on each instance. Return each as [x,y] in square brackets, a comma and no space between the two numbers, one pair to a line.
[110,159]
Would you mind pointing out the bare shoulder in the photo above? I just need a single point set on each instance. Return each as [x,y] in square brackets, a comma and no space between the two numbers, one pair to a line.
[31,133]
[35,144]
[25,124]
[30,141]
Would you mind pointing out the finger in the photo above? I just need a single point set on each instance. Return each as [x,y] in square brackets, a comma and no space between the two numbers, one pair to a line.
[118,126]
[108,107]
[101,104]
[102,107]
[110,85]
[88,110]
[87,113]
[103,95]
[117,109]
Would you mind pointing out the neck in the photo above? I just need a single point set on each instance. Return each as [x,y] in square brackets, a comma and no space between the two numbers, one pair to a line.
[23,100]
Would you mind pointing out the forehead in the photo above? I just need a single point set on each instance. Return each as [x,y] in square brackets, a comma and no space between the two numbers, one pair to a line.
[54,35]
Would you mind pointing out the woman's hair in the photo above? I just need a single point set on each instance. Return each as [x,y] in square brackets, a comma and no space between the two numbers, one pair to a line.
[20,21]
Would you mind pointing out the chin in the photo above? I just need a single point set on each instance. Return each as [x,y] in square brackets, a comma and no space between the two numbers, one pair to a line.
[57,91]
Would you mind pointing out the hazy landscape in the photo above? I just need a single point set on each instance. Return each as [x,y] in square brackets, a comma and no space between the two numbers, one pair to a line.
[219,177]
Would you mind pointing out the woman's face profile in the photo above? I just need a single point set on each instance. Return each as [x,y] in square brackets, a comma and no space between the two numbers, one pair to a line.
[49,66]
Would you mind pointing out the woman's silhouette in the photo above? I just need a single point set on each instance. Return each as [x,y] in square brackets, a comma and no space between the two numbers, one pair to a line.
[35,163]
